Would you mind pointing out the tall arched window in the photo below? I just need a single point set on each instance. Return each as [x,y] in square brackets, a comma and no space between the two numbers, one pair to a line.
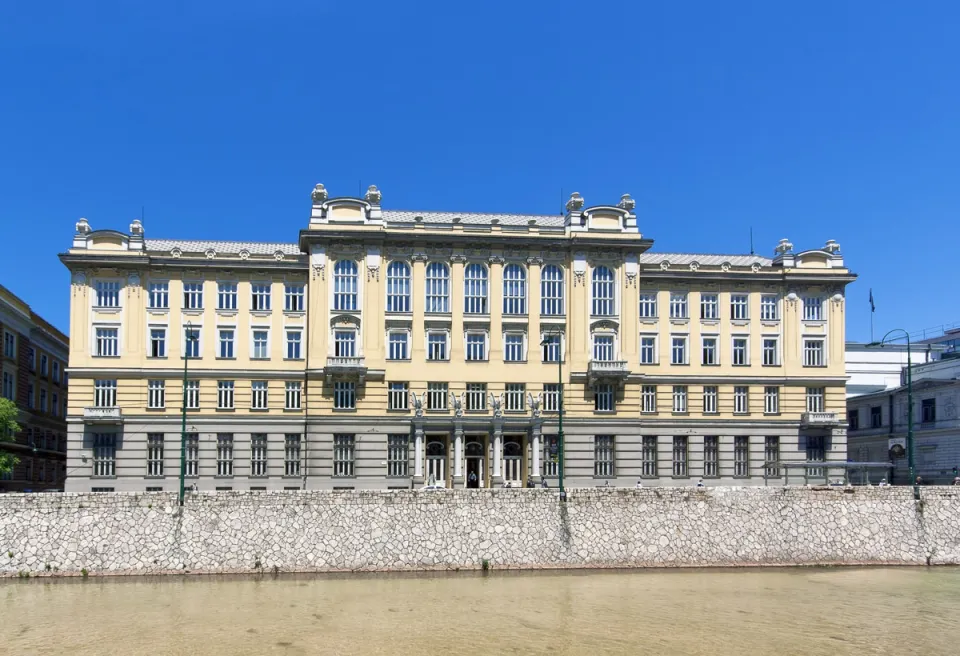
[345,285]
[551,290]
[438,287]
[398,287]
[475,289]
[514,289]
[604,292]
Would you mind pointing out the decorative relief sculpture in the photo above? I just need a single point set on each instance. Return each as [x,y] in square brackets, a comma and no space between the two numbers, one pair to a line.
[725,267]
[694,266]
[373,195]
[783,247]
[318,271]
[578,277]
[755,267]
[457,403]
[278,255]
[631,278]
[664,265]
[417,404]
[495,259]
[535,403]
[575,204]
[496,404]
[373,272]
[176,252]
[244,254]
[210,253]
[627,203]
[319,194]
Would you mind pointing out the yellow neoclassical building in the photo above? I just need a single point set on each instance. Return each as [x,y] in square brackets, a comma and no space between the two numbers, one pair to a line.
[389,349]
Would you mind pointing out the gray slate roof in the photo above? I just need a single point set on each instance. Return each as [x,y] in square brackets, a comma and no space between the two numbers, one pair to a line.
[473,218]
[703,259]
[221,247]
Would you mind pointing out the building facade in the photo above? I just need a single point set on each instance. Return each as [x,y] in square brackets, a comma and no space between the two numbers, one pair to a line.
[34,377]
[388,349]
[874,368]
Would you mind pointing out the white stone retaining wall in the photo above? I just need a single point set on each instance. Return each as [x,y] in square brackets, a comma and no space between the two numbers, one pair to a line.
[147,533]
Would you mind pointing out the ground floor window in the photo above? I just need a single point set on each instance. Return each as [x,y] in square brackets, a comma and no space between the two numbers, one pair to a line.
[711,456]
[155,454]
[105,454]
[551,455]
[771,456]
[649,454]
[680,455]
[741,456]
[398,454]
[816,452]
[343,455]
[258,454]
[193,454]
[604,456]
[224,454]
[291,454]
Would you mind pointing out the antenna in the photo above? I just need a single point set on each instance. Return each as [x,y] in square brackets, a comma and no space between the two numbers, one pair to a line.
[562,208]
[141,214]
[359,189]
[751,240]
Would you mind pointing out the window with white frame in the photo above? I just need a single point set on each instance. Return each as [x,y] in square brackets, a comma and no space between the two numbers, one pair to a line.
[108,293]
[475,289]
[769,307]
[225,344]
[648,305]
[649,456]
[552,397]
[771,456]
[648,398]
[680,455]
[436,346]
[260,296]
[345,343]
[739,306]
[158,295]
[476,396]
[107,342]
[398,454]
[551,347]
[678,305]
[437,396]
[345,285]
[191,394]
[192,460]
[678,349]
[224,454]
[648,349]
[603,284]
[711,456]
[156,394]
[476,347]
[8,386]
[604,456]
[9,345]
[710,356]
[709,306]
[293,344]
[813,353]
[293,297]
[398,287]
[225,394]
[771,351]
[193,296]
[105,393]
[293,394]
[741,456]
[397,396]
[603,347]
[514,289]
[226,296]
[513,347]
[43,400]
[710,395]
[261,344]
[741,400]
[31,352]
[344,395]
[813,308]
[158,342]
[43,364]
[258,395]
[815,399]
[438,288]
[551,291]
[343,454]
[679,398]
[291,454]
[154,454]
[771,400]
[258,454]
[550,455]
[513,400]
[740,352]
[604,398]
[398,345]
[104,454]
[191,342]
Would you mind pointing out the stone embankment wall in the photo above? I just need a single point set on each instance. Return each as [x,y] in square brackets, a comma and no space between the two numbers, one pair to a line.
[406,530]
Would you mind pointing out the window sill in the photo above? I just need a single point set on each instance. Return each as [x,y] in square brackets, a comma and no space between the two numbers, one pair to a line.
[156,357]
[107,308]
[261,359]
[437,412]
[740,365]
[681,478]
[482,411]
[259,477]
[814,366]
[770,365]
[814,322]
[611,477]
[604,412]
[741,414]
[680,320]
[710,364]
[558,317]
[225,358]
[193,312]
[293,409]
[261,313]
[290,477]
[771,414]
[740,322]
[432,360]
[679,364]
[345,410]
[156,409]
[398,360]
[293,359]
[680,414]
[158,310]
[226,410]
[227,311]
[438,315]
[515,362]
[481,316]
[159,477]
[710,322]
[294,313]
[100,357]
[226,477]
[259,409]
[771,322]
[104,478]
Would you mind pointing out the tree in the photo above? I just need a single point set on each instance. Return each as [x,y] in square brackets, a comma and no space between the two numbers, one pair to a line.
[8,428]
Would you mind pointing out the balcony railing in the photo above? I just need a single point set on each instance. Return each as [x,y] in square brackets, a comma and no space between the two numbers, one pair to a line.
[345,366]
[614,370]
[108,415]
[819,419]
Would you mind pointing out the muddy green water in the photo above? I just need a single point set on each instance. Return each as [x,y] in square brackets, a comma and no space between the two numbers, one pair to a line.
[833,612]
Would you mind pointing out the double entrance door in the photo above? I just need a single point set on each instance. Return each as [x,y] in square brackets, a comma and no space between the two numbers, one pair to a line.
[477,461]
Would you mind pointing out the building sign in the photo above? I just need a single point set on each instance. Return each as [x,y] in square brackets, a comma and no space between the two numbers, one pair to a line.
[897,446]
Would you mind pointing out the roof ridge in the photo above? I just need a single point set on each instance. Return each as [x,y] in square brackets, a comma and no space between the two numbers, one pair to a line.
[386,211]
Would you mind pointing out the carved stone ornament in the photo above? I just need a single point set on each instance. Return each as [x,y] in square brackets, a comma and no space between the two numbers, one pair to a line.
[535,403]
[725,267]
[244,254]
[210,253]
[419,257]
[579,277]
[783,247]
[79,278]
[133,280]
[136,228]
[837,298]
[457,403]
[627,203]
[319,194]
[495,259]
[575,204]
[176,253]
[631,278]
[694,266]
[318,271]
[373,272]
[458,257]
[417,403]
[83,227]
[665,265]
[831,246]
[755,267]
[373,195]
[496,404]
[278,255]
[534,260]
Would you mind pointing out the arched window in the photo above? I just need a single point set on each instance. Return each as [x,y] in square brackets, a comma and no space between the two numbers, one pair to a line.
[475,289]
[438,287]
[345,285]
[514,289]
[604,292]
[398,287]
[551,290]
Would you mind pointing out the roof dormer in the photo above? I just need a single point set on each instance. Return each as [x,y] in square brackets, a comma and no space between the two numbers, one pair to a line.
[601,218]
[347,210]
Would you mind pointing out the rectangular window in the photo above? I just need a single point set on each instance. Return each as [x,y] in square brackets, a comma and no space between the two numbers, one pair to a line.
[261,340]
[678,306]
[771,457]
[648,349]
[397,396]
[604,456]
[193,296]
[344,343]
[769,307]
[292,395]
[476,397]
[648,398]
[436,346]
[813,309]
[31,352]
[513,350]
[436,396]
[680,455]
[108,294]
[9,345]
[928,411]
[876,416]
[740,352]
[43,400]
[293,297]
[514,397]
[398,454]
[258,395]
[853,420]
[158,342]
[552,397]
[476,347]
[8,386]
[192,395]
[709,306]
[227,296]
[648,305]
[551,347]
[260,297]
[398,345]
[104,454]
[678,350]
[107,343]
[344,395]
[739,307]
[710,351]
[30,395]
[741,456]
[710,394]
[815,399]
[224,454]
[771,400]
[603,398]
[343,455]
[293,344]
[158,295]
[225,394]
[105,393]
[813,353]
[551,455]
[816,453]
[43,364]
[603,350]
[56,372]
[711,456]
[679,398]
[771,351]
[649,455]
[551,291]
[741,400]
[156,394]
[191,342]
[193,454]
[258,454]
[154,454]
[291,454]
[226,342]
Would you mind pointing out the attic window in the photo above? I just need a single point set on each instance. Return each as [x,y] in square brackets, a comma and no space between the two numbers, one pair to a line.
[494,221]
[418,219]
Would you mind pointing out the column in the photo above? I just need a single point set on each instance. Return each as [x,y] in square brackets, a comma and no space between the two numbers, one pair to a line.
[456,308]
[535,447]
[496,308]
[418,454]
[497,453]
[457,454]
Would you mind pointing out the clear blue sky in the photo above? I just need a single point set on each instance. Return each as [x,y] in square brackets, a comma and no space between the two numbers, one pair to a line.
[824,120]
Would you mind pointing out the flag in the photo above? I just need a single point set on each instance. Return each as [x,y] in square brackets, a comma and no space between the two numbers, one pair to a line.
[873,308]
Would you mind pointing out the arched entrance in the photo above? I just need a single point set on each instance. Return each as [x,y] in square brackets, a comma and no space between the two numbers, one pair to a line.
[474,454]
[513,461]
[437,463]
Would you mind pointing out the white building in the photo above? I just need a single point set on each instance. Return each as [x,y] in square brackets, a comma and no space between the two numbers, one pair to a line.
[874,369]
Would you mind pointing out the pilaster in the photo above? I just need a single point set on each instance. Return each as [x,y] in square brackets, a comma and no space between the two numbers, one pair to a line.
[496,308]
[458,454]
[456,307]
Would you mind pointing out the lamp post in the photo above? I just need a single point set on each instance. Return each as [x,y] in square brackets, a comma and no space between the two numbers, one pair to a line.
[546,340]
[910,461]
[188,337]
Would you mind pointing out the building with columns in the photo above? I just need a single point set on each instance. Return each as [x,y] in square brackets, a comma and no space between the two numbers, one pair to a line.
[389,349]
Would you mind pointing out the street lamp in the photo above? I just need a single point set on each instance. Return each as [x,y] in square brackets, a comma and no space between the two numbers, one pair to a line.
[910,461]
[188,338]
[546,340]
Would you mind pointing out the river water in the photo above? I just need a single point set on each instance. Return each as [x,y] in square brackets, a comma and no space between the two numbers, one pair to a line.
[833,612]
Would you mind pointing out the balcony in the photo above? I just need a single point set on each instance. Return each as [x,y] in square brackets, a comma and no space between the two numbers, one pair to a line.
[611,371]
[345,367]
[819,419]
[108,415]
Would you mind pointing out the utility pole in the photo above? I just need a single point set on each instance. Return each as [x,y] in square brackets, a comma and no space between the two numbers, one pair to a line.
[188,337]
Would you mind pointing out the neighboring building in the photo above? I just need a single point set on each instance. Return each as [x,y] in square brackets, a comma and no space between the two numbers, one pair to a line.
[878,424]
[949,341]
[387,348]
[34,376]
[875,368]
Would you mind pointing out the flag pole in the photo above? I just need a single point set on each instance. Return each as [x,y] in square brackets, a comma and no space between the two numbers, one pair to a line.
[873,308]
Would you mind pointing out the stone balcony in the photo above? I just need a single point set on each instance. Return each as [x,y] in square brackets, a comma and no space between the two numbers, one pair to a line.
[819,420]
[107,415]
[607,371]
[345,367]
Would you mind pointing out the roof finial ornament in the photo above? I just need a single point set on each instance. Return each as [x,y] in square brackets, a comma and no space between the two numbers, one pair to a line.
[319,194]
[373,195]
[783,247]
[575,204]
[83,226]
[627,203]
[831,246]
[136,228]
